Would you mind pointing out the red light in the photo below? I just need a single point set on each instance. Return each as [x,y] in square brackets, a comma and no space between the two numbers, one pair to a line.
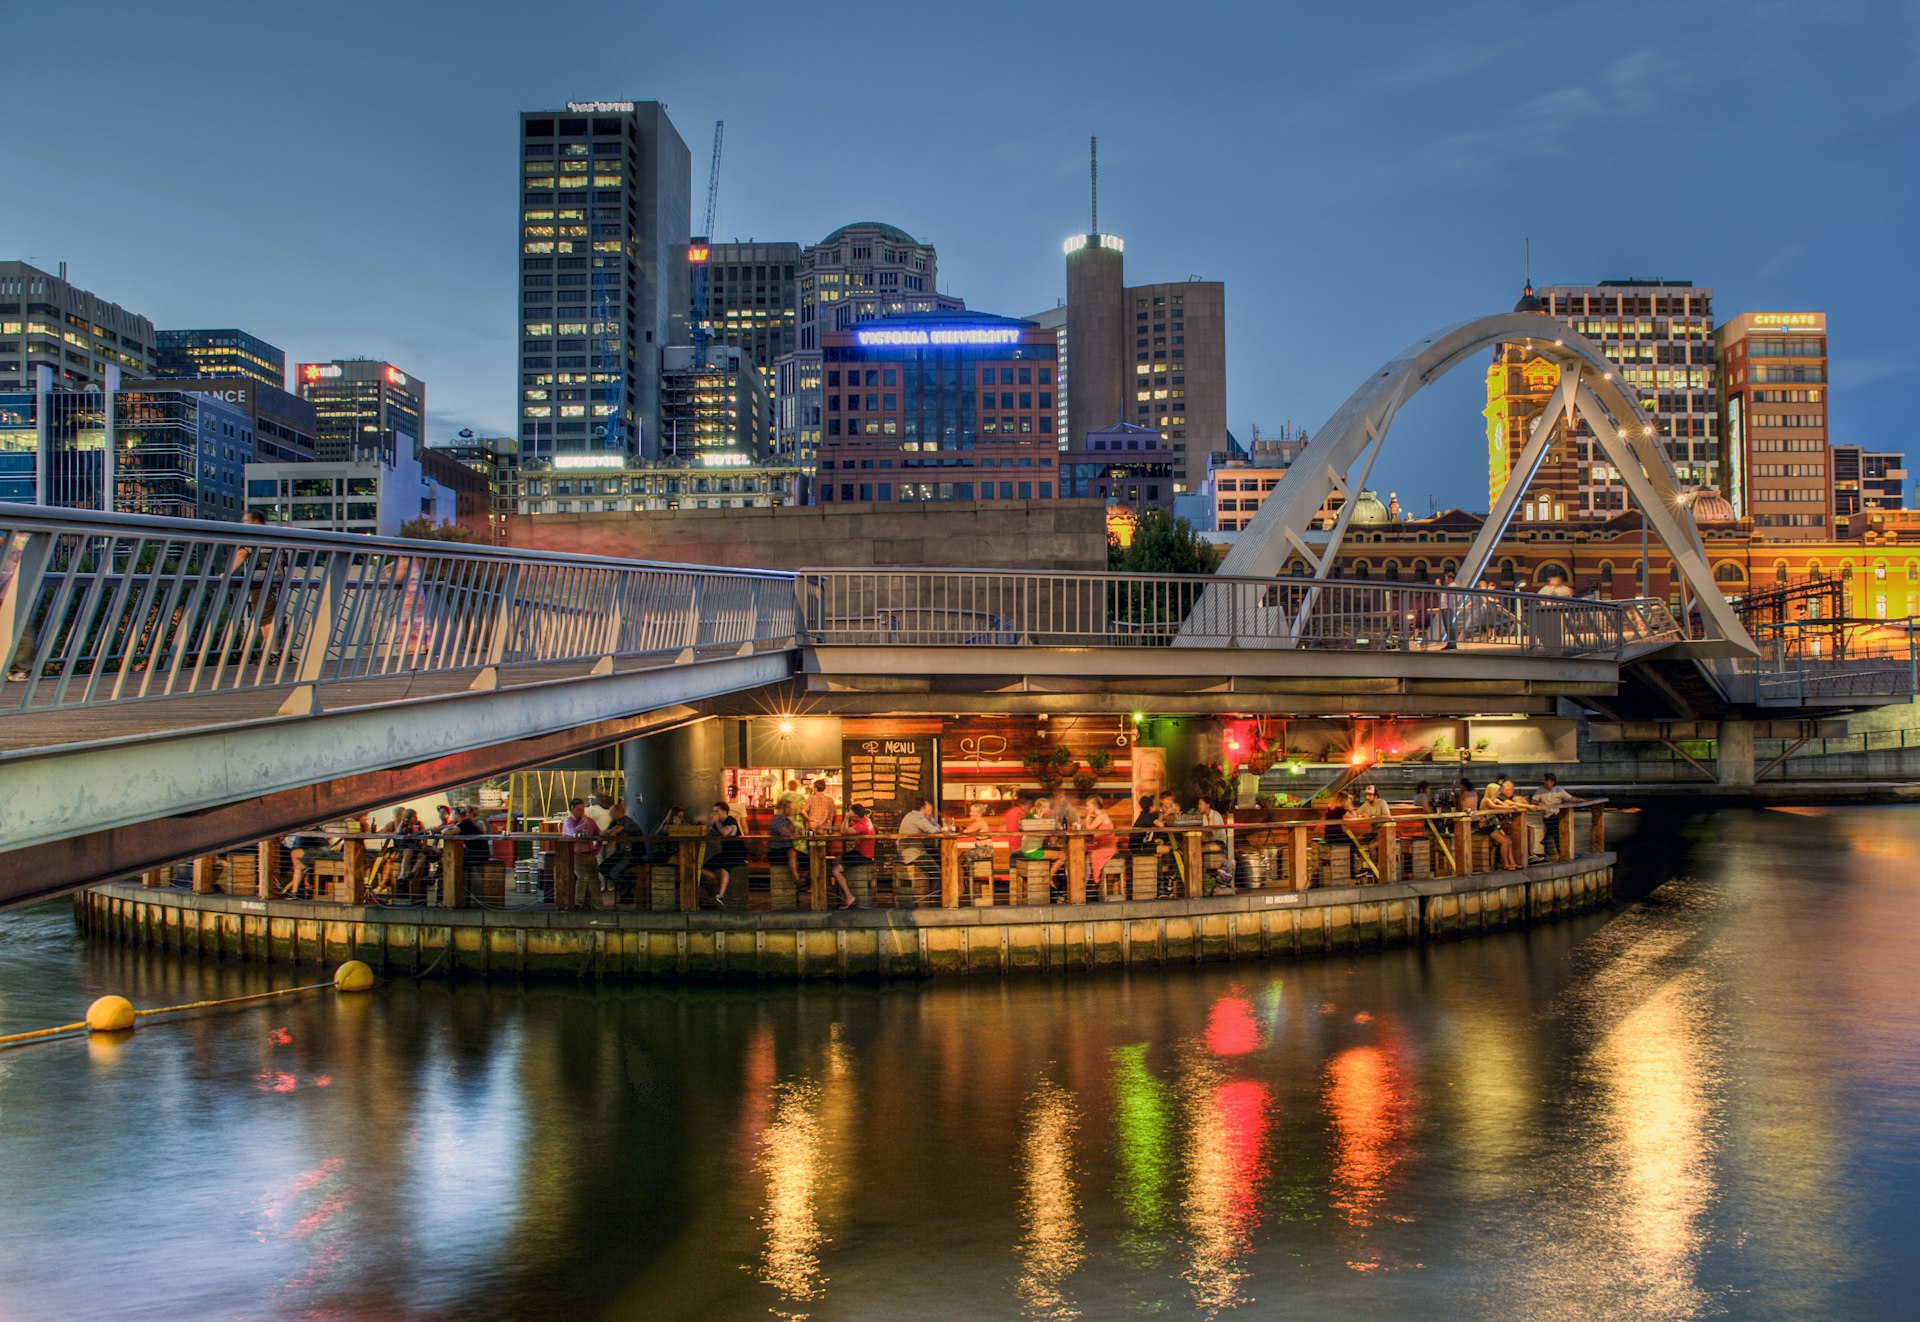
[1358,758]
[311,371]
[696,255]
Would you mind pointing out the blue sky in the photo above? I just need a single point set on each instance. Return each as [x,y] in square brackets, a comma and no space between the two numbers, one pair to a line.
[340,178]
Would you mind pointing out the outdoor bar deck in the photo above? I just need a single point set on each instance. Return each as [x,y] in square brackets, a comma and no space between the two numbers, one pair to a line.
[1398,883]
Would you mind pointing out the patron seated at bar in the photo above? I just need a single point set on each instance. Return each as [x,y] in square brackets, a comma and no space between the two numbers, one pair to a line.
[1371,804]
[919,861]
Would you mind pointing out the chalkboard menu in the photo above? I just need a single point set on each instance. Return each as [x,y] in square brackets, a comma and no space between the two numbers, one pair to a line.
[888,775]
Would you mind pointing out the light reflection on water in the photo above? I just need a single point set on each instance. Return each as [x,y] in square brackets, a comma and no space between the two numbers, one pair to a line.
[1708,1104]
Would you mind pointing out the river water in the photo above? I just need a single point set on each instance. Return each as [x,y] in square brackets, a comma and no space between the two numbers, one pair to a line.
[1704,1104]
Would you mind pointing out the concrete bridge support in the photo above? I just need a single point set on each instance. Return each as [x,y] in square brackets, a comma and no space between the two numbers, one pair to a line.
[1733,755]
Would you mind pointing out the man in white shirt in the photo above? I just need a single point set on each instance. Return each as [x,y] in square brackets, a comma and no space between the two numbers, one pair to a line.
[1550,799]
[922,821]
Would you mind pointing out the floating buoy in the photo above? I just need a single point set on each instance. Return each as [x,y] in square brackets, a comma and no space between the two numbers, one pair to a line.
[110,1014]
[353,976]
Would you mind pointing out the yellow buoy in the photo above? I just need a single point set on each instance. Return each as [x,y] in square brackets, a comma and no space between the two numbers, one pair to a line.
[353,976]
[110,1014]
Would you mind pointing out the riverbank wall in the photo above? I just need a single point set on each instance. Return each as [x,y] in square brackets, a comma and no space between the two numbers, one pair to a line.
[863,943]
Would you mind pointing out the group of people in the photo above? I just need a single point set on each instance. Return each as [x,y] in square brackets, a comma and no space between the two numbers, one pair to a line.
[600,848]
[1497,811]
[406,862]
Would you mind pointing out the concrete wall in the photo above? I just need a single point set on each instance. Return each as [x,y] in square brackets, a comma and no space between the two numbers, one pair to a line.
[1040,535]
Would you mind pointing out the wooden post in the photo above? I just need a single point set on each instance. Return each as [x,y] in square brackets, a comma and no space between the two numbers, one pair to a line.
[1598,831]
[1076,868]
[1567,850]
[1462,845]
[269,866]
[1190,855]
[1386,849]
[951,882]
[1300,855]
[816,873]
[353,882]
[453,873]
[1523,838]
[687,873]
[203,875]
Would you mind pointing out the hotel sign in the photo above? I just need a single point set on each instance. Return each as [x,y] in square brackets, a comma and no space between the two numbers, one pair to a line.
[969,335]
[600,107]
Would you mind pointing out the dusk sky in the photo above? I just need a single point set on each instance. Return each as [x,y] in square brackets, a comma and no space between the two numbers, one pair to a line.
[340,178]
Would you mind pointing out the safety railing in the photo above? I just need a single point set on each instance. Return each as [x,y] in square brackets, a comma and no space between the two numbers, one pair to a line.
[959,608]
[98,608]
[1044,864]
[1796,663]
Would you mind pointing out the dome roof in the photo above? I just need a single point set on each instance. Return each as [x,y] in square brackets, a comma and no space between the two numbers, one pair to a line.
[1709,506]
[1529,301]
[891,233]
[1368,511]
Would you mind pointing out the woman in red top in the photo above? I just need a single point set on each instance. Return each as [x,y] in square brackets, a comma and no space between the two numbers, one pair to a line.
[857,850]
[1105,842]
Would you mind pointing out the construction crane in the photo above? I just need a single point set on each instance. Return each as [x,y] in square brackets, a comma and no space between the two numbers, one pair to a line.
[702,252]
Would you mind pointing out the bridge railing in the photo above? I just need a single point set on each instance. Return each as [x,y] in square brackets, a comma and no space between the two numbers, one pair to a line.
[960,607]
[98,608]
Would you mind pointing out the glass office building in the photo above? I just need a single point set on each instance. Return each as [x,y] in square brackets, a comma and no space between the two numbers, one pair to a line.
[218,353]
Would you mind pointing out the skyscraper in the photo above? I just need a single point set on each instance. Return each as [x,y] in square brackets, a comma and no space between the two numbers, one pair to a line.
[753,299]
[606,197]
[364,409]
[1660,334]
[208,354]
[1773,392]
[75,334]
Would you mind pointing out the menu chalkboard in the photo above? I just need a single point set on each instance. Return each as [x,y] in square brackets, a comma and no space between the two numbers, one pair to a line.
[888,775]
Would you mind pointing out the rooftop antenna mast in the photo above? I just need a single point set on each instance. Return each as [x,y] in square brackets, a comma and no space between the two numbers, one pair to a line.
[1529,261]
[1093,179]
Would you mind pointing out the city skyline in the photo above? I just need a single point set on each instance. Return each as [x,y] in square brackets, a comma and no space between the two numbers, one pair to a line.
[1345,202]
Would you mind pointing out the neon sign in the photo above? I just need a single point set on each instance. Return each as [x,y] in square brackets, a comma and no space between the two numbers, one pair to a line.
[600,107]
[1110,241]
[395,375]
[1801,319]
[696,254]
[960,335]
[318,371]
[588,461]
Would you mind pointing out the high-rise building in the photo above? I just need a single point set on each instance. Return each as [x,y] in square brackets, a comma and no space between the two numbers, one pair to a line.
[606,200]
[77,335]
[1866,479]
[940,406]
[714,403]
[187,354]
[858,273]
[753,298]
[1660,334]
[1239,484]
[177,453]
[496,461]
[364,409]
[1151,355]
[1773,383]
[285,427]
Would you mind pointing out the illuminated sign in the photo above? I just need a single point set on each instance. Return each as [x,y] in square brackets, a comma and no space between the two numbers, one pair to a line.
[725,459]
[1799,320]
[958,335]
[319,371]
[696,254]
[600,107]
[395,375]
[588,461]
[1110,241]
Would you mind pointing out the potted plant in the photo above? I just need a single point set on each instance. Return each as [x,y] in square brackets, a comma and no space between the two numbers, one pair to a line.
[1483,749]
[1049,764]
[1091,770]
[1443,750]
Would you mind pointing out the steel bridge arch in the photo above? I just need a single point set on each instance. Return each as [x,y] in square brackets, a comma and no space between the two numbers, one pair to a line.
[1340,458]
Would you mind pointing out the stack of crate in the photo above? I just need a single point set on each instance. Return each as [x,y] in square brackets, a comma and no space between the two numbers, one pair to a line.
[243,873]
[1482,853]
[663,888]
[1416,858]
[1337,867]
[783,891]
[860,878]
[1145,877]
[1036,880]
[492,885]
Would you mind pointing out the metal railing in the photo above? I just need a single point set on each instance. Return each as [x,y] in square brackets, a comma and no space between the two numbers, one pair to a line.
[98,608]
[1881,660]
[960,608]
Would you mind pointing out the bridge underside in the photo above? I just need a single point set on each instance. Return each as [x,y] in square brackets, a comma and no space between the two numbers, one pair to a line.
[114,807]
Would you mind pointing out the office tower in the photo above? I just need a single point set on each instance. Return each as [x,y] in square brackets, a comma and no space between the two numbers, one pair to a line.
[1660,335]
[940,406]
[858,273]
[714,406]
[364,409]
[606,196]
[285,426]
[1866,479]
[77,335]
[1773,386]
[1151,355]
[496,461]
[189,354]
[753,298]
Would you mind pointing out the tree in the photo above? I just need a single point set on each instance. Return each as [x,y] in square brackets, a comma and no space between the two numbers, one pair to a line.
[425,529]
[1163,544]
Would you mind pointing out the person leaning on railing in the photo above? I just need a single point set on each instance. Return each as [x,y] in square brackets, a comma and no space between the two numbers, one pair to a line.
[1551,800]
[572,855]
[726,850]
[623,853]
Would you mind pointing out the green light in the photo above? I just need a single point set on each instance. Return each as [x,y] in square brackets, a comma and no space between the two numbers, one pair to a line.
[1138,717]
[1295,769]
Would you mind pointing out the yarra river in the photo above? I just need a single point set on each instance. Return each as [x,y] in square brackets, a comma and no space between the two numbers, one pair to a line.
[1706,1103]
